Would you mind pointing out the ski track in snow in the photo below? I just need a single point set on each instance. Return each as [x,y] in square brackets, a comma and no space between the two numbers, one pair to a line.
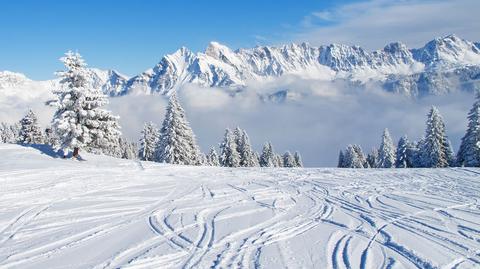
[110,213]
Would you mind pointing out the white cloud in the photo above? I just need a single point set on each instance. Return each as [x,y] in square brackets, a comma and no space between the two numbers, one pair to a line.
[328,117]
[373,24]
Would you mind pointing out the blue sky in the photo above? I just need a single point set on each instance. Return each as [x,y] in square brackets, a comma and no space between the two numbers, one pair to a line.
[132,36]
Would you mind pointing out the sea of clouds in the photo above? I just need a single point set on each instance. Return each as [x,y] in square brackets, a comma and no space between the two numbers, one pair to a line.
[319,119]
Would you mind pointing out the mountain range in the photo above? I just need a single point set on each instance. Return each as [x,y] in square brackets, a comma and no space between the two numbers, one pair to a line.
[443,65]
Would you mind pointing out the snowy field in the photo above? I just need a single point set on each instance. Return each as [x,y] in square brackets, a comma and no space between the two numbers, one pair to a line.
[110,213]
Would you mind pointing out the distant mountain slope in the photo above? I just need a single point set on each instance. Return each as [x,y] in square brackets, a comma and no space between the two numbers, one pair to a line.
[443,65]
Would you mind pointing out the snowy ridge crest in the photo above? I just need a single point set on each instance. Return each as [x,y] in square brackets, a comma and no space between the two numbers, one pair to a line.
[398,68]
[436,68]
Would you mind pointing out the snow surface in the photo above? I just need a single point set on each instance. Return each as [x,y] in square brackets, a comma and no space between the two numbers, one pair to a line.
[110,213]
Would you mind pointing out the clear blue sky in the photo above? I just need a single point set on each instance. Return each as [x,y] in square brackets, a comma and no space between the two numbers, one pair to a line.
[131,36]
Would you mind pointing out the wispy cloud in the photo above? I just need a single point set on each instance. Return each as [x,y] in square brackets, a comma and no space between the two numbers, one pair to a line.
[373,24]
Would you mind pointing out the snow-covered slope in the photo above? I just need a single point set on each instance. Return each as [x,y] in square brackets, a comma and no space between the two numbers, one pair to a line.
[443,65]
[111,213]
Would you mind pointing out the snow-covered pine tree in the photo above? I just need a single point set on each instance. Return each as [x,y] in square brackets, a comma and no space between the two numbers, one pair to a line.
[177,144]
[298,159]
[434,148]
[212,158]
[6,133]
[80,122]
[229,156]
[402,160]
[15,132]
[257,158]
[288,160]
[469,152]
[30,131]
[414,153]
[341,159]
[386,152]
[361,156]
[203,159]
[278,160]
[267,158]
[351,158]
[50,137]
[148,142]
[372,158]
[128,149]
[237,133]
[244,148]
[451,160]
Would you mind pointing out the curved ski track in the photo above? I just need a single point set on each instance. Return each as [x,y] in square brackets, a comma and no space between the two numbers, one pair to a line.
[157,216]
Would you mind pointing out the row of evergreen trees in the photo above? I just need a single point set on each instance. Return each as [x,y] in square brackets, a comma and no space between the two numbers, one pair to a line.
[80,122]
[175,143]
[433,150]
[28,131]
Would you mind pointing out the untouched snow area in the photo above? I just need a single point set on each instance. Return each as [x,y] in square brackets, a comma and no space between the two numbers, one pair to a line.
[110,213]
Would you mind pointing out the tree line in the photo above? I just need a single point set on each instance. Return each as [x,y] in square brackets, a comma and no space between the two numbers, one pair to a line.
[175,143]
[432,150]
[80,123]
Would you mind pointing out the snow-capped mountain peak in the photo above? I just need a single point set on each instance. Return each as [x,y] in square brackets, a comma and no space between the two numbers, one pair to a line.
[430,69]
[448,50]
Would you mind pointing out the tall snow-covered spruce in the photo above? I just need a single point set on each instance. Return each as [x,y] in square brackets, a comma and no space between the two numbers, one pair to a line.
[435,151]
[212,158]
[229,156]
[298,159]
[288,160]
[267,158]
[386,152]
[244,148]
[80,122]
[176,144]
[469,152]
[403,160]
[148,142]
[30,131]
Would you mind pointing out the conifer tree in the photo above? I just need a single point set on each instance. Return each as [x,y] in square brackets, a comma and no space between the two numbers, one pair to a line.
[50,137]
[298,159]
[267,158]
[257,158]
[212,158]
[352,158]
[278,160]
[386,152]
[414,153]
[3,132]
[402,160]
[30,131]
[288,160]
[244,148]
[469,152]
[434,151]
[15,132]
[341,160]
[361,156]
[9,133]
[451,160]
[229,156]
[79,121]
[372,158]
[148,142]
[176,144]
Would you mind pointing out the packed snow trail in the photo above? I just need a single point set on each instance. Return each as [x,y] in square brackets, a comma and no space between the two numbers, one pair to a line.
[112,213]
